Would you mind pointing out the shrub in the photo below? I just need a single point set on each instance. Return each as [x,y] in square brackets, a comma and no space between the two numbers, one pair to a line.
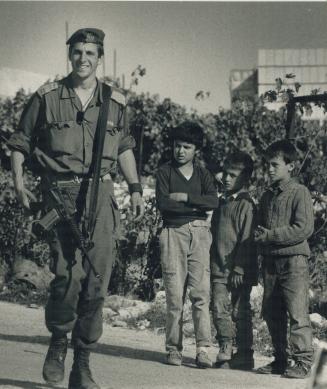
[248,126]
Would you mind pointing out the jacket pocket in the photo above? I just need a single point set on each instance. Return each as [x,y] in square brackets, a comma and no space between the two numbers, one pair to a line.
[111,143]
[63,137]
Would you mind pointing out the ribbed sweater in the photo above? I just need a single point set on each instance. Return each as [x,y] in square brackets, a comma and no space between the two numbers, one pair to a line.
[200,188]
[233,248]
[287,212]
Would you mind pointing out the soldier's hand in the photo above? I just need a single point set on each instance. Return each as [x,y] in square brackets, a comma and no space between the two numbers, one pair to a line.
[236,280]
[24,196]
[137,205]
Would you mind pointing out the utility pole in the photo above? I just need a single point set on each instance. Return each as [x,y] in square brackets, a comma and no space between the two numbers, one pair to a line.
[115,64]
[104,66]
[67,60]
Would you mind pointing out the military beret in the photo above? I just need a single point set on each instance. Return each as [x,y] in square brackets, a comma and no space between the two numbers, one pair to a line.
[87,35]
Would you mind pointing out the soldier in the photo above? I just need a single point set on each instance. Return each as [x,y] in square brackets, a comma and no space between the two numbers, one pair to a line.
[56,134]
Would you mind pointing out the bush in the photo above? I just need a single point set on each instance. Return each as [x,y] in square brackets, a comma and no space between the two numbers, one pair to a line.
[138,263]
[248,126]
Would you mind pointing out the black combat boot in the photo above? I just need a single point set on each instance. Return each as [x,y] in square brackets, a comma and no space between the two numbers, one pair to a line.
[54,364]
[80,376]
[243,360]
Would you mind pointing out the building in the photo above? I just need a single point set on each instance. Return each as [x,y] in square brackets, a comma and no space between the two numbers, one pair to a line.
[308,65]
[243,83]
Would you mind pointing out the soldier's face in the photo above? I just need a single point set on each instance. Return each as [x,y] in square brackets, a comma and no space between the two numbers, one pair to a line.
[85,59]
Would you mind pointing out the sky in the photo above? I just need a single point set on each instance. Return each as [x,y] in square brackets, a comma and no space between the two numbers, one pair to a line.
[184,46]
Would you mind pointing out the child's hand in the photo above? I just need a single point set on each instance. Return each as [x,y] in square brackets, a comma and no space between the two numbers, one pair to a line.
[260,234]
[236,280]
[209,216]
[179,197]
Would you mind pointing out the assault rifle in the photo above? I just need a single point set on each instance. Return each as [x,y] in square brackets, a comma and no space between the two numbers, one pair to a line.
[62,211]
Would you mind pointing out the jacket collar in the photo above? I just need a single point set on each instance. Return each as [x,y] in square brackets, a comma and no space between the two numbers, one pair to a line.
[240,194]
[283,186]
[67,90]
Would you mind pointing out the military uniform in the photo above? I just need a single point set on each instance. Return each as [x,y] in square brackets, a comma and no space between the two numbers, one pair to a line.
[54,138]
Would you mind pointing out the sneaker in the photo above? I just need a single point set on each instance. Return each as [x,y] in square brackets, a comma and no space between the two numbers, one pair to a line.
[275,367]
[225,352]
[202,360]
[174,358]
[242,361]
[298,370]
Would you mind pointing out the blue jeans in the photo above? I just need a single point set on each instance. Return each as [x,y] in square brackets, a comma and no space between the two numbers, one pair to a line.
[232,304]
[286,292]
[185,264]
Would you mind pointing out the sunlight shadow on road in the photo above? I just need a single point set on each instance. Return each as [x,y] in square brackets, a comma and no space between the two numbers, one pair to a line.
[26,384]
[134,353]
[26,339]
[101,348]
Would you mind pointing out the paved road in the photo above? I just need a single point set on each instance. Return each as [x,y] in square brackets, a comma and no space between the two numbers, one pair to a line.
[124,359]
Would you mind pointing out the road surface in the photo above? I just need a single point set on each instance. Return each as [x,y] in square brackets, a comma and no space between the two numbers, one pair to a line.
[124,358]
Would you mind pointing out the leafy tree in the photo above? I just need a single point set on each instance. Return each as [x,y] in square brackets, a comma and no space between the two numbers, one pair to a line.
[248,126]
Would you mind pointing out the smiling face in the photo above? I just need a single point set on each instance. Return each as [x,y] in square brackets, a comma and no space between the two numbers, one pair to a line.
[278,170]
[85,59]
[184,152]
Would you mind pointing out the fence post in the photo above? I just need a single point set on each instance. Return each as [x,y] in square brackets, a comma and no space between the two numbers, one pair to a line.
[290,107]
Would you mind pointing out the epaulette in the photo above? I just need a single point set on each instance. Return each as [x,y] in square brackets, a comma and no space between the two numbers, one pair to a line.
[118,95]
[46,88]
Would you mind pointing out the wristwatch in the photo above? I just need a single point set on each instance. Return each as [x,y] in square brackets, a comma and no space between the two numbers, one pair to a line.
[136,187]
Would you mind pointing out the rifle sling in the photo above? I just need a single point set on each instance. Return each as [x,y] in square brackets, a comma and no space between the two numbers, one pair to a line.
[97,156]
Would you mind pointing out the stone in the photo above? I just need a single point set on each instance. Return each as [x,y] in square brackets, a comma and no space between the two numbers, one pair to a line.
[116,302]
[109,313]
[140,308]
[28,271]
[161,296]
[317,320]
[257,293]
[143,324]
[188,329]
[119,323]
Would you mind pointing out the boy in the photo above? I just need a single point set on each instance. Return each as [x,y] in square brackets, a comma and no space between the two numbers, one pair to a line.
[184,192]
[285,223]
[234,266]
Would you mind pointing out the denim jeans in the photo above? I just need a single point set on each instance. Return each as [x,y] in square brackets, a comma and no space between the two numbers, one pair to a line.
[185,265]
[286,292]
[232,304]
